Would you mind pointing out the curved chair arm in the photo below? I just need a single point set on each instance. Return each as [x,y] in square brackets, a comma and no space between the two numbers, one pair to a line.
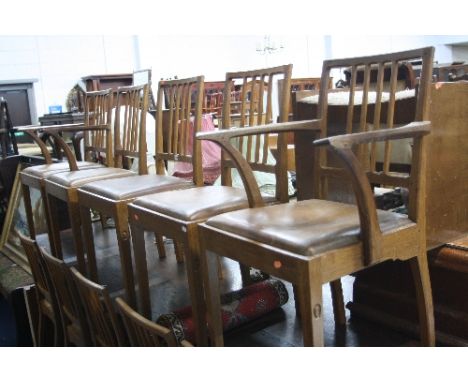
[222,138]
[342,146]
[68,153]
[45,152]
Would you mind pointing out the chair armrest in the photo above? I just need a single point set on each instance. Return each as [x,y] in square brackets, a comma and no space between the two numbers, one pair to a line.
[412,130]
[342,146]
[222,138]
[272,128]
[63,145]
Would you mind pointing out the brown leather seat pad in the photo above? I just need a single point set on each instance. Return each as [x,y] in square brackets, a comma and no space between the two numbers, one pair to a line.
[307,227]
[45,170]
[78,178]
[120,189]
[196,203]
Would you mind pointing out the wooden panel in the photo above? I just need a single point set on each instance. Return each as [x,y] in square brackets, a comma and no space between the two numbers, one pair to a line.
[447,179]
[447,182]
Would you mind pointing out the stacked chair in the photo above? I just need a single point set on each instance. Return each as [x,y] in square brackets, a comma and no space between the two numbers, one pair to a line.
[317,240]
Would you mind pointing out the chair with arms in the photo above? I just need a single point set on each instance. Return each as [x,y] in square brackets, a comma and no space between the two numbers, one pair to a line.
[315,241]
[143,332]
[177,214]
[112,196]
[105,326]
[97,119]
[47,304]
[64,185]
[75,327]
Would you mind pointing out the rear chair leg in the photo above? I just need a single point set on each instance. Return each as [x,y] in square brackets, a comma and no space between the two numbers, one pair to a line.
[422,284]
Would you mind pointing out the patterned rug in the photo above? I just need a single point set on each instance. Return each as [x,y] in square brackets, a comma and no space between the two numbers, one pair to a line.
[237,308]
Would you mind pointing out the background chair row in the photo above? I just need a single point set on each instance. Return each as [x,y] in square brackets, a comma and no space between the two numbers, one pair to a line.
[74,311]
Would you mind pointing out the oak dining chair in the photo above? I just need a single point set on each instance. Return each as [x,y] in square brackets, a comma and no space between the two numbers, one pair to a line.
[75,327]
[64,186]
[98,123]
[317,240]
[144,332]
[46,301]
[105,325]
[112,196]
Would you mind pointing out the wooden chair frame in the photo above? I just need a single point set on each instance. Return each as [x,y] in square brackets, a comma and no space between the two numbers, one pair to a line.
[170,145]
[309,272]
[143,332]
[185,231]
[103,321]
[96,143]
[97,126]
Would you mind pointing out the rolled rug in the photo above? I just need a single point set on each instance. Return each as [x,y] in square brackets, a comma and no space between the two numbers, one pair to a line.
[237,308]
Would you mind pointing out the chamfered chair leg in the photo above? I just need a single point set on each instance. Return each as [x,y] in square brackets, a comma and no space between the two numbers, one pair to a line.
[123,239]
[54,231]
[159,241]
[28,210]
[195,283]
[54,251]
[338,302]
[311,306]
[88,238]
[141,268]
[75,221]
[420,271]
[179,252]
[209,268]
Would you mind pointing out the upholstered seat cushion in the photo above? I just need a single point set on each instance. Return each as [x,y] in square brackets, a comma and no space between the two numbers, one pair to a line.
[307,227]
[196,203]
[121,189]
[45,170]
[79,178]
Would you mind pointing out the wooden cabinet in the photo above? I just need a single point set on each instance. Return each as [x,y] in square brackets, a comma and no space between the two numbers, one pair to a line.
[106,81]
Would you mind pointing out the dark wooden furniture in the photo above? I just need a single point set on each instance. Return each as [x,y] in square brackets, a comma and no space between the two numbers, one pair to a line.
[48,311]
[177,214]
[72,315]
[112,196]
[143,332]
[107,81]
[104,323]
[315,240]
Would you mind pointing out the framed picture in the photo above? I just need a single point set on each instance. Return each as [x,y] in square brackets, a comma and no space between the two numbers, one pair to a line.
[16,222]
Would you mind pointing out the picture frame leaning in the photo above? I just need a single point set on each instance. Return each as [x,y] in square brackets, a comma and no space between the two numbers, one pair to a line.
[16,222]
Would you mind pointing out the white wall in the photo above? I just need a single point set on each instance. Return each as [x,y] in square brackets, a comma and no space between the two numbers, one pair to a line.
[58,62]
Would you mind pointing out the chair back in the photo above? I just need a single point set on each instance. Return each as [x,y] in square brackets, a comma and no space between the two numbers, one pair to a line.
[98,114]
[130,127]
[38,268]
[46,299]
[252,105]
[178,123]
[103,322]
[75,326]
[357,108]
[143,332]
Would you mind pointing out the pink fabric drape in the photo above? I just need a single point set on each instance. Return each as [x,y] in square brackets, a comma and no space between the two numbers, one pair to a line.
[211,156]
